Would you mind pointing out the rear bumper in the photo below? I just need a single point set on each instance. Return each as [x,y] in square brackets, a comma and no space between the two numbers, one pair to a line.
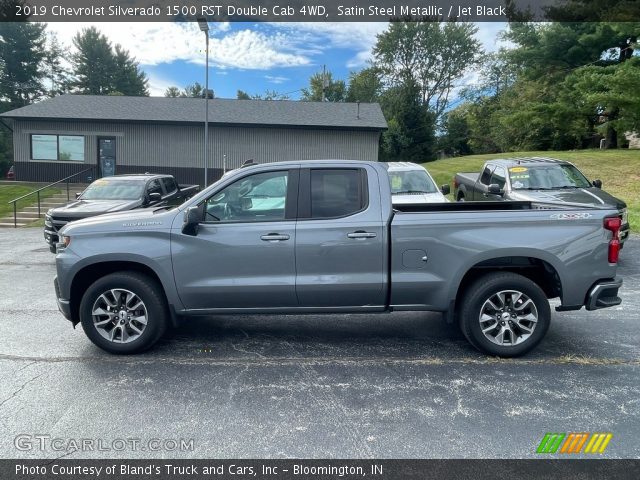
[604,294]
[624,233]
[63,304]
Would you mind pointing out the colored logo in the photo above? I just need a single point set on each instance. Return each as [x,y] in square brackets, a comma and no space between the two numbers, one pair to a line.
[574,443]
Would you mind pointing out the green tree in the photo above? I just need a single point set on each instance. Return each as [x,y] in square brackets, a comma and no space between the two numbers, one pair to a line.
[194,90]
[242,95]
[172,92]
[22,52]
[101,69]
[410,136]
[56,74]
[322,85]
[364,86]
[93,62]
[127,78]
[455,139]
[431,54]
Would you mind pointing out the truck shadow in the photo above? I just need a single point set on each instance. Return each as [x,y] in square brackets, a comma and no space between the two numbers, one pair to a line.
[401,334]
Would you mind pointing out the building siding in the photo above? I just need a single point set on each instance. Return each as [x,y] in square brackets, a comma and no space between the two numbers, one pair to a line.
[178,149]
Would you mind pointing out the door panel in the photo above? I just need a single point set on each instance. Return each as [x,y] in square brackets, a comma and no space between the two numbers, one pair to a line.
[231,266]
[243,255]
[339,261]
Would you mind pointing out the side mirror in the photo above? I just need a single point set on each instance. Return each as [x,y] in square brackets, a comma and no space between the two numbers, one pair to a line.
[445,189]
[191,220]
[78,195]
[597,183]
[154,197]
[495,189]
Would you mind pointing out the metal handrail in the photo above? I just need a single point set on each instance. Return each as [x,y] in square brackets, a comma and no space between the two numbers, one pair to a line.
[37,193]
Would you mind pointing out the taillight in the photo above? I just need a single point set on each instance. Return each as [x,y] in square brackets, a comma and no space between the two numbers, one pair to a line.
[613,224]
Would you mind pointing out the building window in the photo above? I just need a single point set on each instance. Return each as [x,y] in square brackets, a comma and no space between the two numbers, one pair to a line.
[57,147]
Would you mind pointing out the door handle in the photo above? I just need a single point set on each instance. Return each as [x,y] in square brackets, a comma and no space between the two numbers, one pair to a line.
[274,237]
[361,235]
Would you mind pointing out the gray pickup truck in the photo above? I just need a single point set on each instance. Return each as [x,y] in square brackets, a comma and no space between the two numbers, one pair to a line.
[543,181]
[323,237]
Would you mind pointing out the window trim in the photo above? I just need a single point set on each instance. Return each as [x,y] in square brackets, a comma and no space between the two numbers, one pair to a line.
[505,176]
[57,159]
[304,198]
[489,167]
[290,205]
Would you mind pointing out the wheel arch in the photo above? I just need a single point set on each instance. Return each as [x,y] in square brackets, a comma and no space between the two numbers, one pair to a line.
[536,266]
[89,273]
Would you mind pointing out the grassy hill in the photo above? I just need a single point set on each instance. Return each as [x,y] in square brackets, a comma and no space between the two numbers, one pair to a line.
[619,171]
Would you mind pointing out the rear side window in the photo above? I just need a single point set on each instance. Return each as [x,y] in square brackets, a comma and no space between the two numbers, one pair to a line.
[486,176]
[169,185]
[337,192]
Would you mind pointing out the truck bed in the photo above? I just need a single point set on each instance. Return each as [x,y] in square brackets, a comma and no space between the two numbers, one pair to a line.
[462,206]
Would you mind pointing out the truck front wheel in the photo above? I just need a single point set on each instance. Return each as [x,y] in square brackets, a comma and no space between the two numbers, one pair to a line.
[124,312]
[504,314]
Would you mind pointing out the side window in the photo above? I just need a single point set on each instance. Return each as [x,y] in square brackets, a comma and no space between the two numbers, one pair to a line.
[169,185]
[498,177]
[337,192]
[154,187]
[486,175]
[257,198]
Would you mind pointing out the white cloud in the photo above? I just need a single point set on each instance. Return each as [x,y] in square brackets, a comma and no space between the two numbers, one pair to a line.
[254,50]
[166,42]
[320,36]
[276,79]
[158,85]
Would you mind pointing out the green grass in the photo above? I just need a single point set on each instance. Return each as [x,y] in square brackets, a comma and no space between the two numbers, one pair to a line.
[619,171]
[9,192]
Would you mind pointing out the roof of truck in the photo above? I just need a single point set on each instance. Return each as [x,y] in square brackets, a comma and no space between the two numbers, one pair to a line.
[526,161]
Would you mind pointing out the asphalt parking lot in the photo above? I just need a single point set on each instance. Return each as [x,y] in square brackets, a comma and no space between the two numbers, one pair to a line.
[402,385]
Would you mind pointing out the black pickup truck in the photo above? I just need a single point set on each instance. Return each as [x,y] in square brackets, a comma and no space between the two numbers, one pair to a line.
[117,194]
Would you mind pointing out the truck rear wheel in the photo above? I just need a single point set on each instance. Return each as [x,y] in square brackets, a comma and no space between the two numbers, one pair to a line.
[124,312]
[504,314]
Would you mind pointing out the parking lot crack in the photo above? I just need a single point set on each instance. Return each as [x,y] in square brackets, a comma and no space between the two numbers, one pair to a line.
[22,387]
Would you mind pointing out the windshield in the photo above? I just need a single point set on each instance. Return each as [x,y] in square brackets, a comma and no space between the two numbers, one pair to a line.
[411,181]
[547,177]
[113,189]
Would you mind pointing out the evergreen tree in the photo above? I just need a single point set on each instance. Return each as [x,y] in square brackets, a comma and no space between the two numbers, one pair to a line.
[22,52]
[93,62]
[57,75]
[128,79]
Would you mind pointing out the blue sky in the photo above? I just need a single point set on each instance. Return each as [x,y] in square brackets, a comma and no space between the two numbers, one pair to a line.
[249,56]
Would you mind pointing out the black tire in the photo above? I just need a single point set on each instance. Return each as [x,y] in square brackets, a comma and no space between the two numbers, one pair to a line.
[154,302]
[461,197]
[481,291]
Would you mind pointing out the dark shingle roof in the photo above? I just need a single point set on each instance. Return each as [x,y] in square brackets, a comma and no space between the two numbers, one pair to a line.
[191,110]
